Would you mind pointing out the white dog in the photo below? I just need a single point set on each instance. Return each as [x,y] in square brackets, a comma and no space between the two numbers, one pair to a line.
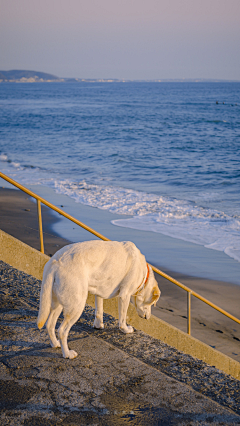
[104,268]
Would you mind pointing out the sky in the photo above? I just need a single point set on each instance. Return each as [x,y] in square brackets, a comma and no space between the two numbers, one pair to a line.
[122,39]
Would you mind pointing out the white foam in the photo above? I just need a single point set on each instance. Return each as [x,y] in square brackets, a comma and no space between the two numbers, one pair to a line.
[176,218]
[16,165]
[114,199]
[3,157]
[221,235]
[24,174]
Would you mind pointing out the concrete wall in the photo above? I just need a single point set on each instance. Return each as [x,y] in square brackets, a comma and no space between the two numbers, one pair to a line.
[21,256]
[31,261]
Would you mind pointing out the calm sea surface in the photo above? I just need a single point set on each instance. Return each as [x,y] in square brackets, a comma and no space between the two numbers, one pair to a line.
[166,154]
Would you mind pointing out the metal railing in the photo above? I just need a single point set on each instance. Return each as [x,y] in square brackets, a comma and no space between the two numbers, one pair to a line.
[189,291]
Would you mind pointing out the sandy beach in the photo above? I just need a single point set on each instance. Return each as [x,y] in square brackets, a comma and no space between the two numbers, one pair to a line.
[18,217]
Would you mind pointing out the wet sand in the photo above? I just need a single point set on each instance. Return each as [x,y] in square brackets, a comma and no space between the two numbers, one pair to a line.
[18,217]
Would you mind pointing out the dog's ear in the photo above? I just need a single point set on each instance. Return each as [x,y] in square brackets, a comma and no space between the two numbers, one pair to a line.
[155,295]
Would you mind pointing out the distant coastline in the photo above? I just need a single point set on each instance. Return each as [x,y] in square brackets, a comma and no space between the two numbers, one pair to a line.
[26,76]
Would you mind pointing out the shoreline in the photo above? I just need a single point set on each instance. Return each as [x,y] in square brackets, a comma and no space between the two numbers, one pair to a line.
[168,253]
[19,218]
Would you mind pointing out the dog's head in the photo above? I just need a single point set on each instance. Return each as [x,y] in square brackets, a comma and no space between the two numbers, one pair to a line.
[147,297]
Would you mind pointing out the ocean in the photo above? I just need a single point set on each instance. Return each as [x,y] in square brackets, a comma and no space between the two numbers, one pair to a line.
[163,157]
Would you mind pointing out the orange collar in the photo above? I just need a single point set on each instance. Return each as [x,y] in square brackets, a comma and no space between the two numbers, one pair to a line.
[143,284]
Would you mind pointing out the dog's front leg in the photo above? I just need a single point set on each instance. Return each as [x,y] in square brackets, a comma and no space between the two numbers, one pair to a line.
[123,303]
[98,322]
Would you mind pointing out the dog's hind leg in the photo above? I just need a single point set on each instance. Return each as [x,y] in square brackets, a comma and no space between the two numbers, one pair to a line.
[98,322]
[63,334]
[51,323]
[71,316]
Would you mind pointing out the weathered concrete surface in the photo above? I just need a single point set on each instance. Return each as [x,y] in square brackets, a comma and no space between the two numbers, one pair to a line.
[103,385]
[115,380]
[31,261]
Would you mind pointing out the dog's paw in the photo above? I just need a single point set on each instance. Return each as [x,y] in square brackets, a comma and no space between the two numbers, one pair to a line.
[72,354]
[127,329]
[98,324]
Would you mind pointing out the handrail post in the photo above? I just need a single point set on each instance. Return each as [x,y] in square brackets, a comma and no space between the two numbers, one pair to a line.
[189,312]
[40,226]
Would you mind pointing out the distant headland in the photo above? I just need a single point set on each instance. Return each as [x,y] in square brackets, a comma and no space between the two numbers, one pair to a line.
[25,76]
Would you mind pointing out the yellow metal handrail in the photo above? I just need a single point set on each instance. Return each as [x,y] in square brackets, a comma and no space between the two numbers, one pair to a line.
[97,234]
[56,209]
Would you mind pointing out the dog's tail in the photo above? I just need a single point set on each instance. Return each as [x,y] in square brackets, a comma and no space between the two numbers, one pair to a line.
[46,293]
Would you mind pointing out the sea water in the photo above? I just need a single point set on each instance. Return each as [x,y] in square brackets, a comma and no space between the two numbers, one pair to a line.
[163,157]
